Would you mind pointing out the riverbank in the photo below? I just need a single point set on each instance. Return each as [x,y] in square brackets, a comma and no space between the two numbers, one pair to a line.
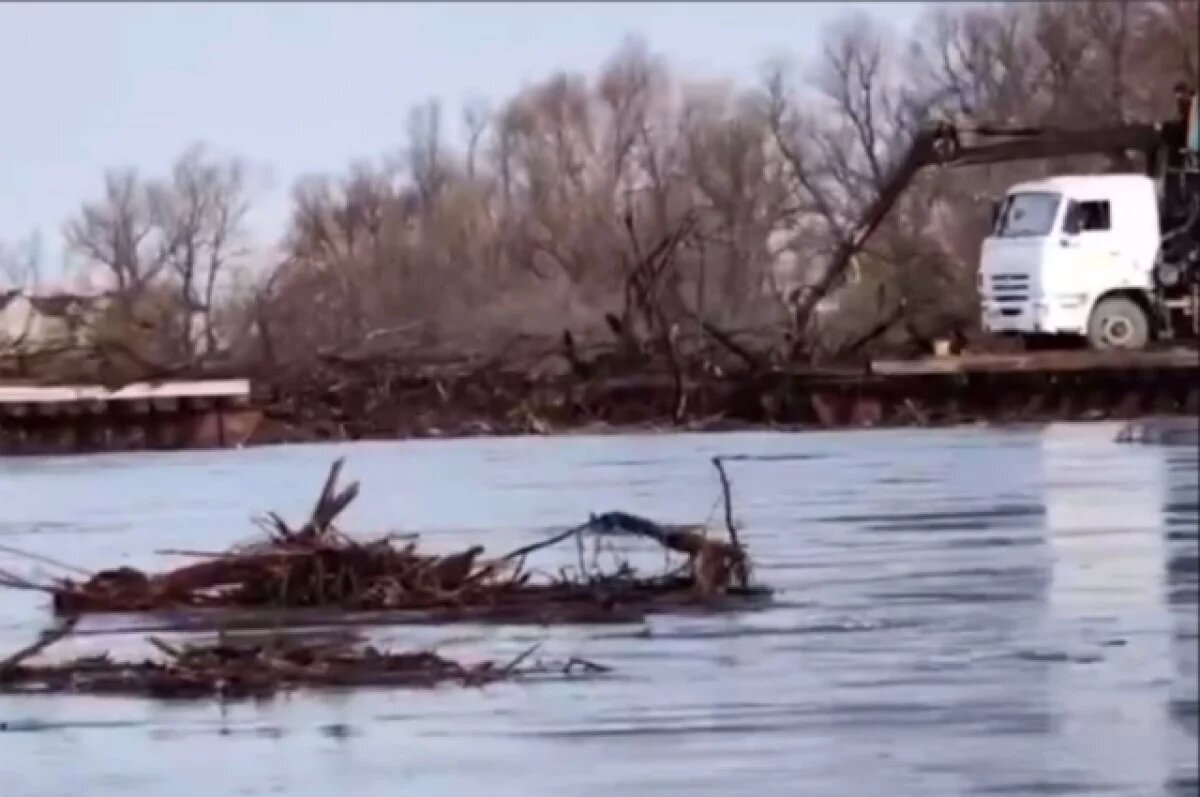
[331,398]
[382,400]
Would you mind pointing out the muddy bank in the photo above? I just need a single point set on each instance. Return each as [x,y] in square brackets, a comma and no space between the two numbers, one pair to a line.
[542,391]
[382,399]
[375,401]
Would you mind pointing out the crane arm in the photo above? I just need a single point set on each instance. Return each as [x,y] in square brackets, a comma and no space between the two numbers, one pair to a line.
[940,145]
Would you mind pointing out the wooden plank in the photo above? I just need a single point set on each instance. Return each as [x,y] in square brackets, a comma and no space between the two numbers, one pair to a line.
[138,391]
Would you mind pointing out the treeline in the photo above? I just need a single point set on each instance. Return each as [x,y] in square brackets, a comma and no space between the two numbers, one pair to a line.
[635,202]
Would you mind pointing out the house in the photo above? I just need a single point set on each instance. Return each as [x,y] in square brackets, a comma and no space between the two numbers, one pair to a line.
[47,316]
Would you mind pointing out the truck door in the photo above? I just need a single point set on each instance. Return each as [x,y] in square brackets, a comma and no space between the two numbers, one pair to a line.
[1098,258]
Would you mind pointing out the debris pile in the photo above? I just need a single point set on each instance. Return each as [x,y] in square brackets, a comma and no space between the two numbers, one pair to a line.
[260,666]
[317,566]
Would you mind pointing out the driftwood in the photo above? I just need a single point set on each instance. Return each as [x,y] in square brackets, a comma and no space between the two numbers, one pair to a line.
[316,566]
[230,668]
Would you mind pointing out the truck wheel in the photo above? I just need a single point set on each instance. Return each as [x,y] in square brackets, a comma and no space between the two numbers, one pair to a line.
[1118,323]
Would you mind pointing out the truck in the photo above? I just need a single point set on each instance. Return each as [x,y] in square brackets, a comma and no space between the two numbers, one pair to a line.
[1111,260]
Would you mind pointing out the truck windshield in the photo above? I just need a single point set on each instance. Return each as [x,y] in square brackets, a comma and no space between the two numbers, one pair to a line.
[1026,215]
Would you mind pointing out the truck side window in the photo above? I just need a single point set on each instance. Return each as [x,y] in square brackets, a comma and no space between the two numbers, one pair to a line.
[1095,216]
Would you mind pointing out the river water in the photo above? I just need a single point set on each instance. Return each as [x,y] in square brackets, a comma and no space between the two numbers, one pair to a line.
[960,612]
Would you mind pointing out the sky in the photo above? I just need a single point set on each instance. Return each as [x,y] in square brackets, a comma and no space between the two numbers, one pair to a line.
[302,88]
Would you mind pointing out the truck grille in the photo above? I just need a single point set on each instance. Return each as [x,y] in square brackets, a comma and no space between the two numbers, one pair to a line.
[1010,288]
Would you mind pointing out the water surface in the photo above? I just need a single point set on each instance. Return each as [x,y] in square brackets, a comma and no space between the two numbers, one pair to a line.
[961,612]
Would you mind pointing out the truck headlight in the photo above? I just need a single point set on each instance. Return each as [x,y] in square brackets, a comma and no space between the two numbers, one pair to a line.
[1070,300]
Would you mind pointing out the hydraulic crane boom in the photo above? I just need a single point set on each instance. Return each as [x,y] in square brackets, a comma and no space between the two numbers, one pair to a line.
[940,145]
[1170,152]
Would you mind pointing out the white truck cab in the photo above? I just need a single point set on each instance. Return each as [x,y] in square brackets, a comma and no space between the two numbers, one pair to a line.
[1073,255]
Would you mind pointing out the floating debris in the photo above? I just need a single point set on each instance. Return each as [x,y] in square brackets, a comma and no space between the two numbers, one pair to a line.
[260,666]
[319,567]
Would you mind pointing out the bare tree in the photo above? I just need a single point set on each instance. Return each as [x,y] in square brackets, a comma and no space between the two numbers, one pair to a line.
[476,117]
[164,245]
[840,151]
[977,59]
[425,153]
[745,199]
[200,213]
[1165,48]
[19,276]
[632,201]
[116,232]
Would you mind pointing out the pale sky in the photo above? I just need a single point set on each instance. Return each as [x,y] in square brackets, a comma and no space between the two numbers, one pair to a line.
[307,87]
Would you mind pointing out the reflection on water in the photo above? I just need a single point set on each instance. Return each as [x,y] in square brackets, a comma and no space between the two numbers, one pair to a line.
[1104,525]
[961,612]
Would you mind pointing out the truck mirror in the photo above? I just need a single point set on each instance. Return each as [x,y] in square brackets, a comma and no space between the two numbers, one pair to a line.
[995,211]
